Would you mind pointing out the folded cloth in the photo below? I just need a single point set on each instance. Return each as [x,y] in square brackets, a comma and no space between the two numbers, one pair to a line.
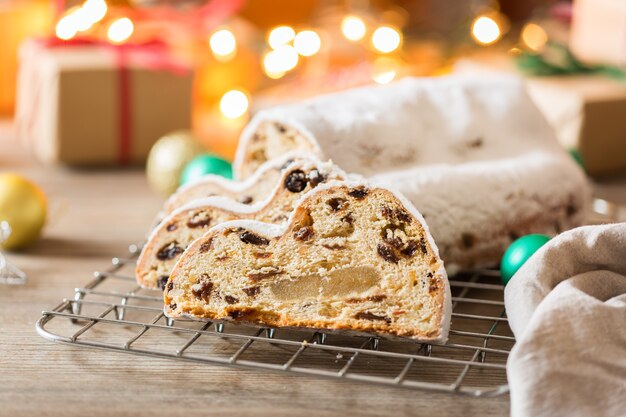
[567,309]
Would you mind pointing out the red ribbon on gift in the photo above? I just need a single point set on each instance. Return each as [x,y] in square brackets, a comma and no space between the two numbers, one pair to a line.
[152,54]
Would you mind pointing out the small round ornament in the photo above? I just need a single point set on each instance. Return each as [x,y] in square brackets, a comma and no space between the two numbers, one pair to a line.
[203,165]
[518,253]
[168,158]
[23,206]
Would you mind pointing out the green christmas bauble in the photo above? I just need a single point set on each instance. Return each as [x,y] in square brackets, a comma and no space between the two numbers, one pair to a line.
[167,159]
[203,165]
[518,253]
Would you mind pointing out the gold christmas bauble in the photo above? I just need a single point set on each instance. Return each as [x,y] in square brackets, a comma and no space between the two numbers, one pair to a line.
[22,205]
[168,157]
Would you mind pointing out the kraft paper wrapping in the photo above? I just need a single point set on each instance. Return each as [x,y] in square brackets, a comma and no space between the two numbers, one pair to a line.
[585,111]
[69,100]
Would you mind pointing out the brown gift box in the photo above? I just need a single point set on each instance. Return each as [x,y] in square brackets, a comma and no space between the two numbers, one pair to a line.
[97,104]
[587,112]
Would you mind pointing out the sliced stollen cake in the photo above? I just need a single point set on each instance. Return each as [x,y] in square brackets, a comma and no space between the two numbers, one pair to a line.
[351,258]
[474,155]
[179,229]
[251,190]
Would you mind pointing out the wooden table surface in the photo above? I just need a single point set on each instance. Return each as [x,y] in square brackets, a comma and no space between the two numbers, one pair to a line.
[94,215]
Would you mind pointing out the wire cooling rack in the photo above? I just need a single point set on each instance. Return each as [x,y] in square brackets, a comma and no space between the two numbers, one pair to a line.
[112,312]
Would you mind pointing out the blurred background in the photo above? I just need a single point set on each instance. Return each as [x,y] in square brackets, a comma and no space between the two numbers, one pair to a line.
[98,82]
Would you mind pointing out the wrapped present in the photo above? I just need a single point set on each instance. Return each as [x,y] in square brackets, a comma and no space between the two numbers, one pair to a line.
[586,111]
[587,114]
[86,102]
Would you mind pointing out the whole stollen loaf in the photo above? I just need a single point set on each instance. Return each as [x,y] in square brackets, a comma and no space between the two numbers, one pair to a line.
[474,155]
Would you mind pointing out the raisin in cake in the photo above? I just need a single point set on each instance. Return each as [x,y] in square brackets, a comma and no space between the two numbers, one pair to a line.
[179,229]
[474,155]
[251,190]
[351,258]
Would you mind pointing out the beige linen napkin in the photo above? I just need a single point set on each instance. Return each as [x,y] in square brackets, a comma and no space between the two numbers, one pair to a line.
[567,309]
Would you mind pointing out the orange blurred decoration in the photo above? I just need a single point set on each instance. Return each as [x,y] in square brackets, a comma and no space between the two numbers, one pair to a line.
[19,19]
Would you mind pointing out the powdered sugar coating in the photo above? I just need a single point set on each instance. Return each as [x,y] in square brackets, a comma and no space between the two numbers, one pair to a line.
[308,163]
[415,121]
[474,155]
[241,186]
[298,160]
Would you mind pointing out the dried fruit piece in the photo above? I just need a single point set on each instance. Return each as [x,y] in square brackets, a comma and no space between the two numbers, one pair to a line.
[258,276]
[296,181]
[200,219]
[171,227]
[387,253]
[303,234]
[169,251]
[397,215]
[423,247]
[402,216]
[315,178]
[391,236]
[251,291]
[206,246]
[348,219]
[251,238]
[366,315]
[374,298]
[359,193]
[410,249]
[230,299]
[203,288]
[162,281]
[337,203]
[246,199]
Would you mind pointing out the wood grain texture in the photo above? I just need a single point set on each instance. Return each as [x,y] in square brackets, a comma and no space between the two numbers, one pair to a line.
[96,215]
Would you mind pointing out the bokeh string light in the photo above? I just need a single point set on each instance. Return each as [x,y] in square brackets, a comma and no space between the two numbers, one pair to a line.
[353,28]
[65,28]
[534,36]
[280,60]
[223,44]
[80,18]
[234,104]
[485,30]
[287,46]
[386,39]
[120,30]
[307,43]
[281,35]
[94,10]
